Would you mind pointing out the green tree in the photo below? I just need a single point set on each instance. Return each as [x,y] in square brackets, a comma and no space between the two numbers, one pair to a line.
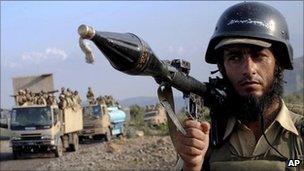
[137,115]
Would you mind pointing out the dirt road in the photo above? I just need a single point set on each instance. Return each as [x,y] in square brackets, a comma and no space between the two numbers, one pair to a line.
[28,162]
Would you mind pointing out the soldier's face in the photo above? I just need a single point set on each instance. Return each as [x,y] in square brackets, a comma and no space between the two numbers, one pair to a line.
[250,69]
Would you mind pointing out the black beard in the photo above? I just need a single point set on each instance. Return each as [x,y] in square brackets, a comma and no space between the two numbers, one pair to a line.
[250,108]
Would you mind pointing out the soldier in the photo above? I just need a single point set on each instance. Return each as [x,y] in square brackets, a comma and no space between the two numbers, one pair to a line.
[69,96]
[63,92]
[30,98]
[27,95]
[111,101]
[21,99]
[62,102]
[41,100]
[99,100]
[55,101]
[90,96]
[43,94]
[51,100]
[251,48]
[69,92]
[77,97]
[106,99]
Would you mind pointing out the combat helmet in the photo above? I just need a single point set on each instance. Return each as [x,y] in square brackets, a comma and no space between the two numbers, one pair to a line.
[257,21]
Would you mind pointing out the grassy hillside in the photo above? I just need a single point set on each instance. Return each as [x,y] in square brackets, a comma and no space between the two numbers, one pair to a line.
[294,78]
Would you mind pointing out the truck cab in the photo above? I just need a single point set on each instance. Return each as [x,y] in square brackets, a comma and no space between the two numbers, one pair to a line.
[34,129]
[155,115]
[42,128]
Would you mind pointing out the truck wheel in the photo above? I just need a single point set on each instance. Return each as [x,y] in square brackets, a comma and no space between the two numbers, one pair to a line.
[59,149]
[75,145]
[81,139]
[15,153]
[108,135]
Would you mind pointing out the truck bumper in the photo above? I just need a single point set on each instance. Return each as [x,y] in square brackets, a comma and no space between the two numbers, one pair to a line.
[118,128]
[33,145]
[95,131]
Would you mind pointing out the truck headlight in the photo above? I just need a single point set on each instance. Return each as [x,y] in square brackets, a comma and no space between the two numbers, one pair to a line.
[44,137]
[16,138]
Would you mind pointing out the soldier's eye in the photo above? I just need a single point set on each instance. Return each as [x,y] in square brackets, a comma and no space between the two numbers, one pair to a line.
[233,58]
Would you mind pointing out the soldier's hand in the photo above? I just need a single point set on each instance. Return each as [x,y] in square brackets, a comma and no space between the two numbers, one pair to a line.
[193,146]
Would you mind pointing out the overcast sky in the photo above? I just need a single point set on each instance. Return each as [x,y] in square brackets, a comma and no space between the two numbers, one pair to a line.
[41,37]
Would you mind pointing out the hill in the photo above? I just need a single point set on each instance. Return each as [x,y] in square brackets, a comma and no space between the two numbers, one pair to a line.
[294,78]
[143,101]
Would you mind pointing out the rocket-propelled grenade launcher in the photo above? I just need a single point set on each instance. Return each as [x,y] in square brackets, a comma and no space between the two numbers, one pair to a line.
[130,54]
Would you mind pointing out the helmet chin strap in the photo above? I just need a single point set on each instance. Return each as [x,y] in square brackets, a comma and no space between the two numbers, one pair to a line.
[261,118]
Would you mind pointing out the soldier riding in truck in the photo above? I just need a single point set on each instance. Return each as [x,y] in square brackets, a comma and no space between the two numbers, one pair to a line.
[38,124]
[102,118]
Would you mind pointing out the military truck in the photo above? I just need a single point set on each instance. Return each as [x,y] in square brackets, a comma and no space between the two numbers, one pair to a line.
[96,122]
[103,119]
[39,128]
[155,115]
[43,128]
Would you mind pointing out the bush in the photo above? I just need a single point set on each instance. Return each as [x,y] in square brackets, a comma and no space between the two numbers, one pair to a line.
[164,129]
[137,115]
[294,98]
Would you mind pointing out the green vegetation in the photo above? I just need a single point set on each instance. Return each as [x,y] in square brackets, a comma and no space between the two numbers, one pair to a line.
[295,98]
[295,102]
[137,123]
[137,115]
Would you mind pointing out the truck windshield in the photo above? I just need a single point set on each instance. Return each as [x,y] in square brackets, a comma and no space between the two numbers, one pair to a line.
[30,117]
[92,110]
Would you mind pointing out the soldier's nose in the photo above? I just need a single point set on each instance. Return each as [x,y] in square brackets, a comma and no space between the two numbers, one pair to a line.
[248,66]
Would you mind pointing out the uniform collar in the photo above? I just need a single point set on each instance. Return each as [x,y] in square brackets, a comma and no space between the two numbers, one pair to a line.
[284,118]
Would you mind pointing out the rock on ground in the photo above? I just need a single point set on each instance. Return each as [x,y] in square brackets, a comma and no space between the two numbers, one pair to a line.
[141,153]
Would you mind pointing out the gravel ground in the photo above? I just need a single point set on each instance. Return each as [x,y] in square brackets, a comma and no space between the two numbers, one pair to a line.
[141,153]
